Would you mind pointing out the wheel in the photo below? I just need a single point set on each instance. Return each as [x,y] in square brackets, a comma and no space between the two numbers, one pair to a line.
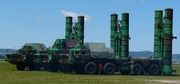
[20,66]
[138,69]
[90,68]
[154,69]
[109,68]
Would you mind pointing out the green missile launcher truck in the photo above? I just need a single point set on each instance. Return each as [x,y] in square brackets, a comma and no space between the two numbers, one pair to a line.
[32,56]
[73,54]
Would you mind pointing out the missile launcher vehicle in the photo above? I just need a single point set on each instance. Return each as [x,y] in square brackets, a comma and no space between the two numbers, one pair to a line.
[32,56]
[91,58]
[73,54]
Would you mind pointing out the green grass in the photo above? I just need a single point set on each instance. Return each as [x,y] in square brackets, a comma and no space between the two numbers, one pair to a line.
[9,75]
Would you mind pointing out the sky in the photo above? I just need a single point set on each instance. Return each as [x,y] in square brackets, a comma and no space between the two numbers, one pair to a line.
[43,21]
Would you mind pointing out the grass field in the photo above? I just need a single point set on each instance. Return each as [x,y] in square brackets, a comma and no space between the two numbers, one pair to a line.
[9,75]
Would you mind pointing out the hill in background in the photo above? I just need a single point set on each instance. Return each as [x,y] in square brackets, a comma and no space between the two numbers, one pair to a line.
[3,52]
[134,54]
[149,54]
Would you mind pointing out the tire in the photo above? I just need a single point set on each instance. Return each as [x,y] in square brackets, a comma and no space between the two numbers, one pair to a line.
[138,69]
[90,68]
[109,68]
[154,69]
[20,67]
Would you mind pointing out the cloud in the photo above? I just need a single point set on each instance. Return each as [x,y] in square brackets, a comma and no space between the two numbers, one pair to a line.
[75,15]
[39,18]
[126,1]
[139,1]
[142,1]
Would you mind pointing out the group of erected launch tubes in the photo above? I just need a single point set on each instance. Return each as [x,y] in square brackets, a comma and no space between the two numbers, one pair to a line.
[163,36]
[73,55]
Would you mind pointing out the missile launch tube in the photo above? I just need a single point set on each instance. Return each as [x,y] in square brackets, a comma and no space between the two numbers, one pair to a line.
[125,36]
[158,35]
[114,25]
[80,30]
[68,27]
[168,36]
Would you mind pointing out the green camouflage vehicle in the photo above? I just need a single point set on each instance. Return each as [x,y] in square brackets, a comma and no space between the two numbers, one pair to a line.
[73,54]
[32,56]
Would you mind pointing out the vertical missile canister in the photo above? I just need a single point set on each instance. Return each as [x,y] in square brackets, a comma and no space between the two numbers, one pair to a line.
[80,30]
[158,35]
[68,27]
[114,28]
[118,42]
[168,36]
[125,36]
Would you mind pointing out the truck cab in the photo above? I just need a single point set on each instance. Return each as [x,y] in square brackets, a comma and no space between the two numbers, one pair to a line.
[32,55]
